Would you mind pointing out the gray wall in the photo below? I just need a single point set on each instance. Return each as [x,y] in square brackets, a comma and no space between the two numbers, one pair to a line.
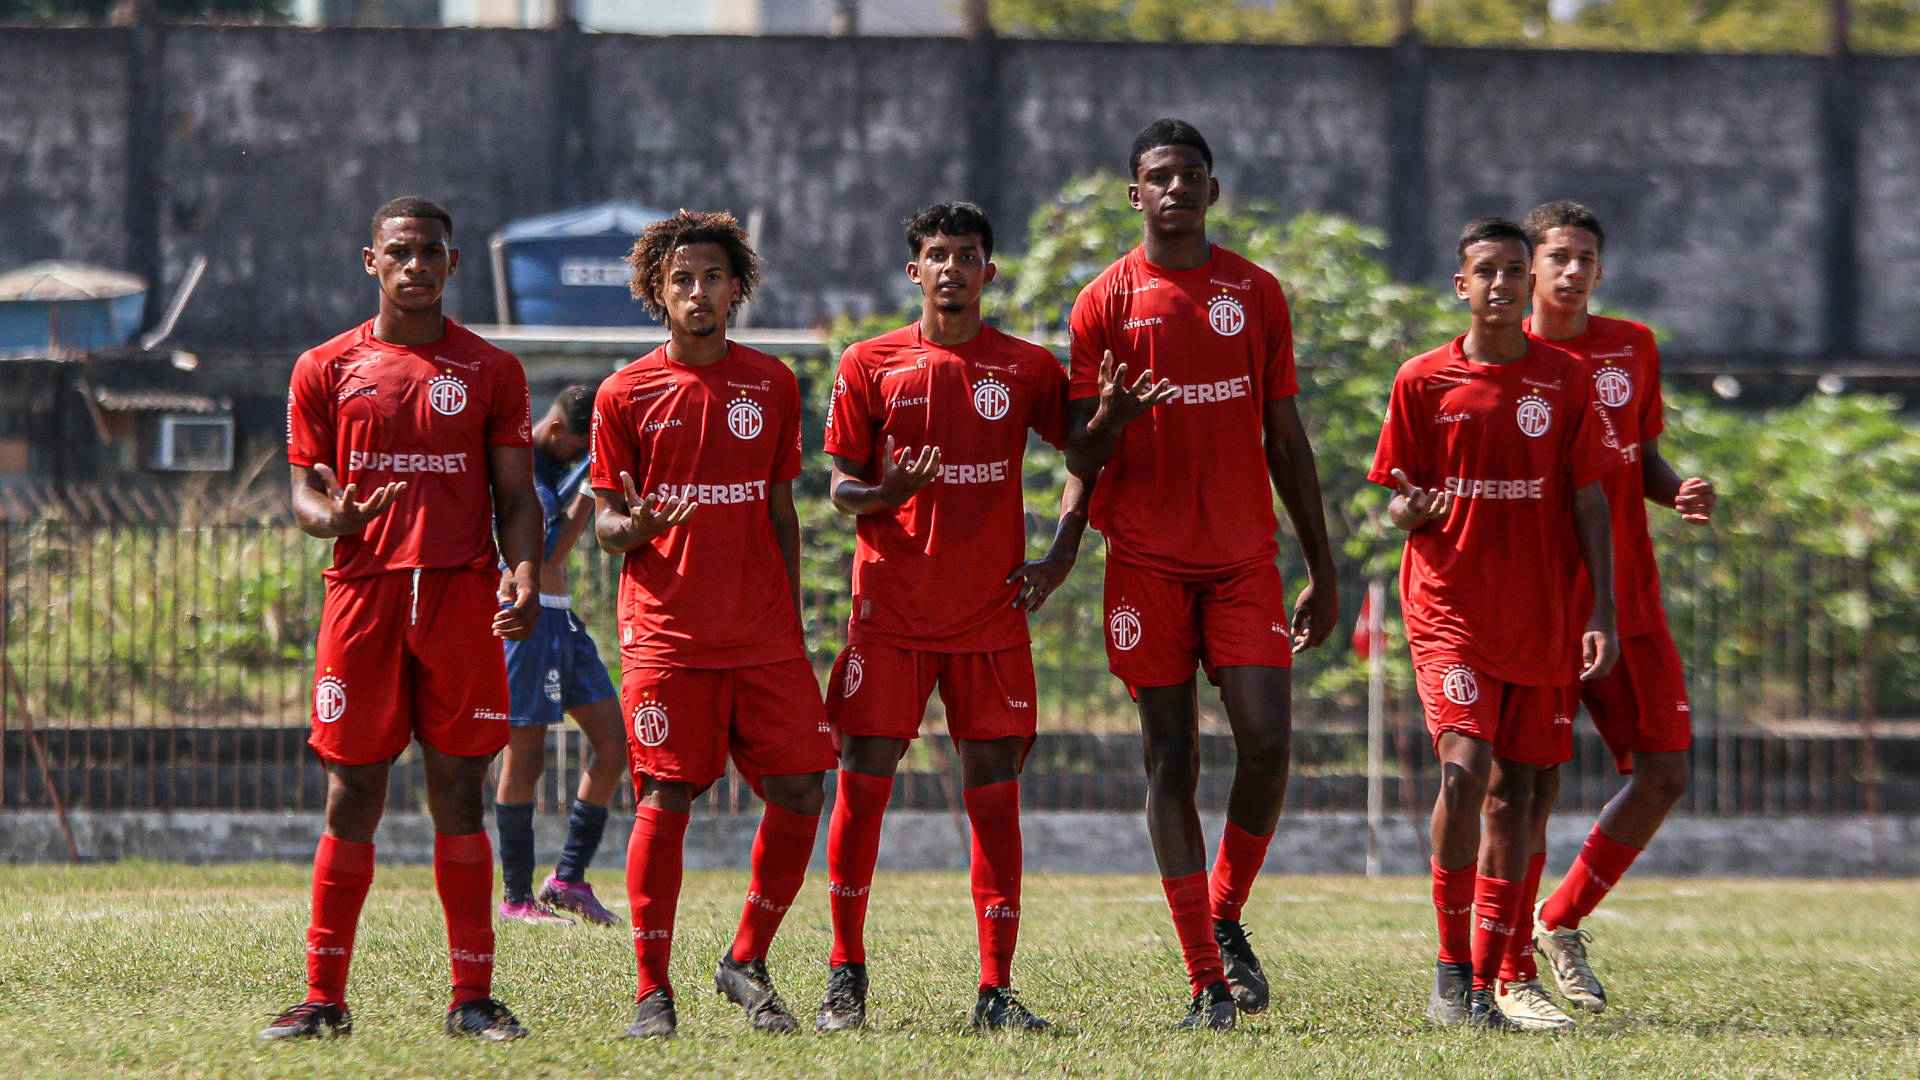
[1732,224]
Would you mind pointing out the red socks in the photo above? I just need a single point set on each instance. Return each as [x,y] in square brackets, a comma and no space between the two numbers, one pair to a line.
[853,849]
[653,892]
[1453,909]
[1518,965]
[781,850]
[1193,924]
[1239,861]
[994,812]
[1602,862]
[342,871]
[1494,901]
[463,875]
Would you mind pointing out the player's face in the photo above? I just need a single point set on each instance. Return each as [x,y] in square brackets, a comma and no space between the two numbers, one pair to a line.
[951,271]
[1495,282]
[412,258]
[699,289]
[1173,188]
[1566,268]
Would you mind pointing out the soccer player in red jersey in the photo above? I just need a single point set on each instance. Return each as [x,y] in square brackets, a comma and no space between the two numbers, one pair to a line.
[1184,463]
[927,427]
[1641,708]
[407,435]
[695,447]
[1496,455]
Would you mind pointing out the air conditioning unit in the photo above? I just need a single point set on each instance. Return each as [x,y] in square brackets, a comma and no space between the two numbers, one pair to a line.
[193,444]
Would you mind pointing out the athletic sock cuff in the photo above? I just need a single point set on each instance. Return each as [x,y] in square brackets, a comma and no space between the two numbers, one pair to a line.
[864,793]
[463,847]
[353,857]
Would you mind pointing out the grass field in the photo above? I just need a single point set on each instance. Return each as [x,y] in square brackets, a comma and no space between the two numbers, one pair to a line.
[162,970]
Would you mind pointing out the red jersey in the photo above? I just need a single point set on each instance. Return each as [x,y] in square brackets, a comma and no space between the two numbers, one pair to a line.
[1186,493]
[375,412]
[1491,585]
[1624,363]
[932,574]
[711,592]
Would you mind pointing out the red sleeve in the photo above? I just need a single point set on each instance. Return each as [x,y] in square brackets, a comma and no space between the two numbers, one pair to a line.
[1589,458]
[849,417]
[310,431]
[788,453]
[613,451]
[1399,446]
[1049,417]
[1281,380]
[1653,405]
[1087,327]
[510,412]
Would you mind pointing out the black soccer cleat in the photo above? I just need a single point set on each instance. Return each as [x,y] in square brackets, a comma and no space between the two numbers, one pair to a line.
[749,986]
[1245,979]
[999,1009]
[1484,1013]
[1447,1005]
[845,1006]
[654,1018]
[483,1018]
[310,1020]
[1212,1010]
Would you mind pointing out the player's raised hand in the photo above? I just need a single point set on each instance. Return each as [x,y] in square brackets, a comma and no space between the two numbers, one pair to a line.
[1316,611]
[1417,505]
[652,515]
[902,473]
[1599,648]
[1120,400]
[1038,578]
[350,514]
[1695,500]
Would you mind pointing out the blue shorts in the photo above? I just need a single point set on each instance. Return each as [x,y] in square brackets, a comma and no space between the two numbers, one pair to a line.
[555,669]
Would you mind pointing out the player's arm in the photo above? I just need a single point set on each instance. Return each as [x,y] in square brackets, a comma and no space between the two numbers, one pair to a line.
[1600,644]
[1039,577]
[324,509]
[518,509]
[1094,424]
[1693,496]
[1296,479]
[578,515]
[902,473]
[786,533]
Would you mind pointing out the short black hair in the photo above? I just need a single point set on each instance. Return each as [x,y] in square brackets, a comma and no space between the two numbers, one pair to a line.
[1481,230]
[657,243]
[412,206]
[575,403]
[949,219]
[1167,131]
[1563,214]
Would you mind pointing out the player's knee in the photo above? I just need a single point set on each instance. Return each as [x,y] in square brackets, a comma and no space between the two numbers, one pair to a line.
[1664,781]
[1511,800]
[804,793]
[1462,791]
[1267,751]
[1173,768]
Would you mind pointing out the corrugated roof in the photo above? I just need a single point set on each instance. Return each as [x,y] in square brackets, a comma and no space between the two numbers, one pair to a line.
[67,281]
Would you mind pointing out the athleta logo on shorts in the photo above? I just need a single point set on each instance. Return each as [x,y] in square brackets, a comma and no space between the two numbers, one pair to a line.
[991,398]
[650,723]
[1614,386]
[553,685]
[447,394]
[855,673]
[745,418]
[1534,416]
[1459,685]
[1226,315]
[329,699]
[1123,627]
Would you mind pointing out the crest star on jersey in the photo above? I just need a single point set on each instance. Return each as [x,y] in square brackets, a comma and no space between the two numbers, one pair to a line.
[1613,386]
[1459,685]
[1534,416]
[1226,315]
[447,394]
[1123,626]
[650,723]
[855,674]
[991,398]
[745,417]
[329,698]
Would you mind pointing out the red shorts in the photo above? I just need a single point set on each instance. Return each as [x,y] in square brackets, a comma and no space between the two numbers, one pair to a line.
[683,722]
[406,653]
[1642,703]
[1532,725]
[879,689]
[1159,628]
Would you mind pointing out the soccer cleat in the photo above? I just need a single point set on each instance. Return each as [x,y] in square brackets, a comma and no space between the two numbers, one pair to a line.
[1528,1008]
[749,986]
[310,1020]
[531,912]
[654,1018]
[998,1009]
[846,1004]
[1244,976]
[577,897]
[1566,953]
[1212,1009]
[1484,1013]
[1447,1005]
[483,1018]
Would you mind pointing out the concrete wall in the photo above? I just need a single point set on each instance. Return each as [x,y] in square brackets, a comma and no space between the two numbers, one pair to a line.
[63,146]
[1888,229]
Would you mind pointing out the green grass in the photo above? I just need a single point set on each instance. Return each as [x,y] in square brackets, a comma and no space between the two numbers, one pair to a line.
[149,969]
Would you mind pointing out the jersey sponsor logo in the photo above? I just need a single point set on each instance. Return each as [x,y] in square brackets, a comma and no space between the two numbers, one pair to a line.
[358,391]
[1226,315]
[650,722]
[1452,418]
[991,398]
[856,674]
[1123,627]
[763,384]
[1207,393]
[553,685]
[906,402]
[985,473]
[381,461]
[652,426]
[465,365]
[1243,284]
[1460,685]
[746,491]
[745,418]
[447,394]
[638,396]
[1462,487]
[1613,386]
[917,365]
[839,388]
[1555,385]
[1624,352]
[329,699]
[1142,322]
[1534,416]
[1152,284]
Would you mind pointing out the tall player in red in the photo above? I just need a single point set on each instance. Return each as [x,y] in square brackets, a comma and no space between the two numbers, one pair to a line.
[927,428]
[407,435]
[1641,709]
[1185,504]
[1496,455]
[695,447]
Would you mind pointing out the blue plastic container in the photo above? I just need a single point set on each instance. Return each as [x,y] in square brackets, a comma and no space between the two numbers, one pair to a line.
[48,308]
[568,268]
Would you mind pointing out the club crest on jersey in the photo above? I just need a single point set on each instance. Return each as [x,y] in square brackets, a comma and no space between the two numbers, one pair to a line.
[1534,416]
[329,699]
[650,723]
[1123,627]
[1226,315]
[745,418]
[1459,685]
[1613,386]
[447,394]
[855,674]
[991,398]
[553,685]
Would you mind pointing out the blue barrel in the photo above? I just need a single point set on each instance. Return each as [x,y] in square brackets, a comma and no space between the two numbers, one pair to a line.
[51,307]
[568,268]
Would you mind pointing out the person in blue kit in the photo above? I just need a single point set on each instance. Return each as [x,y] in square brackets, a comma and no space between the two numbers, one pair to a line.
[557,670]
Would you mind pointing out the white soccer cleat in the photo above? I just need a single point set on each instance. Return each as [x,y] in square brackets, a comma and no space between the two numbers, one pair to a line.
[1528,1008]
[1566,953]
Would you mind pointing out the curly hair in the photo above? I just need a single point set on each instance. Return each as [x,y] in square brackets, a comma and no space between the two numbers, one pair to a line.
[656,245]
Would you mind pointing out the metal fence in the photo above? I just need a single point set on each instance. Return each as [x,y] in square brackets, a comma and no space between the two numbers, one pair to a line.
[169,666]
